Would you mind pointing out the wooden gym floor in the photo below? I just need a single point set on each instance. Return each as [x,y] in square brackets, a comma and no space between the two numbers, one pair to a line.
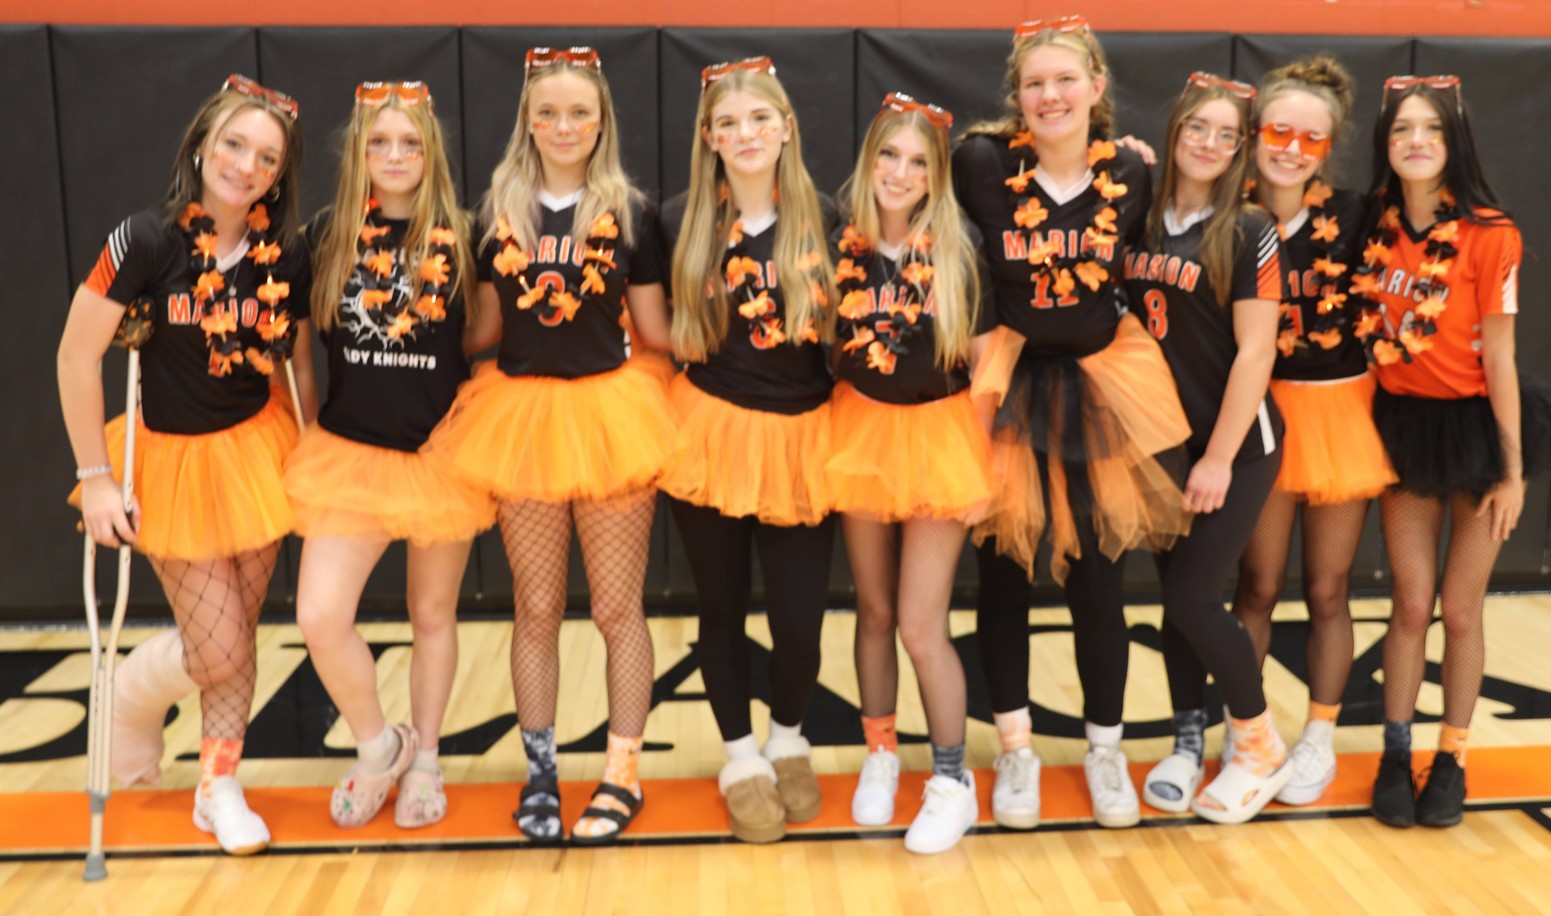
[679,858]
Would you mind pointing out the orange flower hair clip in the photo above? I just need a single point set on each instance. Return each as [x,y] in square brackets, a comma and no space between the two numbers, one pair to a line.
[242,85]
[1439,81]
[579,56]
[375,95]
[1203,80]
[752,64]
[1060,24]
[904,104]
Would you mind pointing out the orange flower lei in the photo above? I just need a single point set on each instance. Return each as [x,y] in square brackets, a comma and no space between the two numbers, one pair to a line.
[1330,313]
[379,276]
[886,344]
[557,305]
[219,325]
[1067,270]
[1415,338]
[740,270]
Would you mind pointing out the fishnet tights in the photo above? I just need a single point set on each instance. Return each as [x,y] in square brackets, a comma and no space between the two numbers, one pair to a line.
[904,578]
[1412,526]
[1330,537]
[615,536]
[217,604]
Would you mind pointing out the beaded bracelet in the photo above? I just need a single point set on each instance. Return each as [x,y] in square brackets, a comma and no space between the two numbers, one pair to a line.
[94,471]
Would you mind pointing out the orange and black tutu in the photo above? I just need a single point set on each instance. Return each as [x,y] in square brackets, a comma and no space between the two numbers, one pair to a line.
[1107,432]
[211,495]
[744,462]
[893,462]
[558,440]
[343,488]
[1332,452]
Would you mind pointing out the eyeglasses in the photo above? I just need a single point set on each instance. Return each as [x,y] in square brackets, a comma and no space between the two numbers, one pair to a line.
[375,95]
[383,147]
[1312,144]
[580,56]
[752,64]
[904,104]
[1200,133]
[1203,80]
[243,86]
[1059,24]
[1441,82]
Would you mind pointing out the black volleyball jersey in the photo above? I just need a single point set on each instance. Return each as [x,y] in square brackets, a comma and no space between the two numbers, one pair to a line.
[1311,359]
[750,368]
[1082,321]
[144,258]
[889,350]
[386,387]
[548,338]
[1170,290]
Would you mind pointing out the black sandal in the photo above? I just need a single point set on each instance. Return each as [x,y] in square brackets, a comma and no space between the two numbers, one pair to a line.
[621,820]
[531,808]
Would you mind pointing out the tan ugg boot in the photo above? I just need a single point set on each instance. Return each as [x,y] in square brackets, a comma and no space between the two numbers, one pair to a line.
[754,809]
[792,760]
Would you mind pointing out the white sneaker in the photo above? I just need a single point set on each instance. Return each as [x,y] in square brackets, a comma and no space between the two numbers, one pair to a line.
[873,803]
[224,812]
[1109,783]
[949,808]
[1015,800]
[1313,761]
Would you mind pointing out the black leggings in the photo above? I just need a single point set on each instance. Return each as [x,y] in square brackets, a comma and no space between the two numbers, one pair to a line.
[1199,635]
[795,563]
[1097,602]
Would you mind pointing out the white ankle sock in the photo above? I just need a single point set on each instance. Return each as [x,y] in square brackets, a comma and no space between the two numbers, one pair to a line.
[377,753]
[1104,735]
[425,760]
[777,730]
[745,748]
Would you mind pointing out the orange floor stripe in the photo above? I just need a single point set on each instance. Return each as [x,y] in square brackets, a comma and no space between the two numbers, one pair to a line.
[38,822]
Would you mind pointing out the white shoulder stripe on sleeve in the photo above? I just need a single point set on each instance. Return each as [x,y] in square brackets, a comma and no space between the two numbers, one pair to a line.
[118,244]
[1267,247]
[1511,291]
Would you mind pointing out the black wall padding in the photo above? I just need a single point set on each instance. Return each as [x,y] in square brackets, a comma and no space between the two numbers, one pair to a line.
[37,459]
[91,142]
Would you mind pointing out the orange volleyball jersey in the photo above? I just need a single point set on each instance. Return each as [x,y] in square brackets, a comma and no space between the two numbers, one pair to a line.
[1483,280]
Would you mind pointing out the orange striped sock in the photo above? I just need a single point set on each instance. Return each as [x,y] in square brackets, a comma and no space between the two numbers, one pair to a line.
[880,733]
[1016,729]
[1452,740]
[218,757]
[1324,712]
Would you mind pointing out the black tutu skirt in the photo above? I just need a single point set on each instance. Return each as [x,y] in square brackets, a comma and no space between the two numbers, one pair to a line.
[1441,447]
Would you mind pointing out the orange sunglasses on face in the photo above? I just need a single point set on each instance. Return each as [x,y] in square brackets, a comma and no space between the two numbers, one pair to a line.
[904,104]
[375,95]
[244,86]
[580,56]
[1060,24]
[1312,144]
[1203,80]
[752,64]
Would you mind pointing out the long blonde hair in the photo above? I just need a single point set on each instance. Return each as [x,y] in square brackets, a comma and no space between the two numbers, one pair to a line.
[435,204]
[1101,119]
[1222,227]
[955,281]
[700,308]
[519,176]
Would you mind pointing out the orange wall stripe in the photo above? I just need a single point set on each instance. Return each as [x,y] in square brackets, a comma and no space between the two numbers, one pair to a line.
[1497,18]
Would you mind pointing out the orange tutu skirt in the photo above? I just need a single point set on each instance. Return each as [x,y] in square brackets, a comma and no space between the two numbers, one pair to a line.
[748,462]
[342,488]
[894,462]
[1332,452]
[558,440]
[1117,413]
[211,495]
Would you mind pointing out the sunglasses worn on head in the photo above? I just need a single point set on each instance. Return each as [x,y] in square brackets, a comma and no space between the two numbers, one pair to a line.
[1059,24]
[1203,80]
[904,104]
[1311,143]
[242,85]
[375,95]
[580,56]
[1442,82]
[752,64]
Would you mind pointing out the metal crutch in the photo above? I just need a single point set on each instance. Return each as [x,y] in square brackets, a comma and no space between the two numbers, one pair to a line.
[99,711]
